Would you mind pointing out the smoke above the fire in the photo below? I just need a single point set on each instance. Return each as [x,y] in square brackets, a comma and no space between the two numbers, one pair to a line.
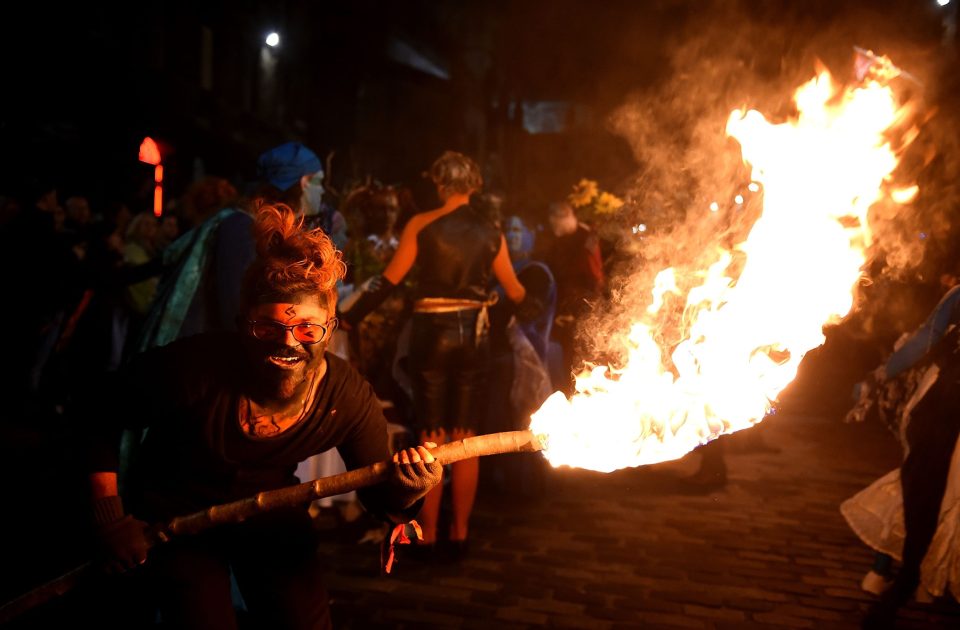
[753,55]
[774,179]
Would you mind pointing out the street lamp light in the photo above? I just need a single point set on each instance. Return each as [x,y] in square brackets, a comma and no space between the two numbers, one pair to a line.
[273,39]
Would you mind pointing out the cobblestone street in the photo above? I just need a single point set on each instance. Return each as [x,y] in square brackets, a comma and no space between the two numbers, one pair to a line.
[635,549]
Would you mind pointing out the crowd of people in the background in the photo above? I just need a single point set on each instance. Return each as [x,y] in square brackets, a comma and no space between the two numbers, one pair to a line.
[462,315]
[96,285]
[107,281]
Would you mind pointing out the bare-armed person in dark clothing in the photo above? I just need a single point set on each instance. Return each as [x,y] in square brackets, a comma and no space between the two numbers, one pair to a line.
[231,414]
[457,250]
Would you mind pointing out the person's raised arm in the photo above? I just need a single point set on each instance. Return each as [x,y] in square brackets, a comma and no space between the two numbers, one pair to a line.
[383,285]
[406,253]
[946,313]
[503,270]
[529,305]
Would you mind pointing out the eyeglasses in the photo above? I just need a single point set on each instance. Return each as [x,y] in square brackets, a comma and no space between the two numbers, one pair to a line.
[307,332]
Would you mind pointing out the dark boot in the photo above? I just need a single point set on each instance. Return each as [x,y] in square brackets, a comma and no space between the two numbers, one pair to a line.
[883,613]
[712,474]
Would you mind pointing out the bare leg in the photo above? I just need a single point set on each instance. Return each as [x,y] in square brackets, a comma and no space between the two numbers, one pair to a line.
[463,486]
[430,513]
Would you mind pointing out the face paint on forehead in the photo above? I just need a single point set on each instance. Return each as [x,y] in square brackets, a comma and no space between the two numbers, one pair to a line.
[310,309]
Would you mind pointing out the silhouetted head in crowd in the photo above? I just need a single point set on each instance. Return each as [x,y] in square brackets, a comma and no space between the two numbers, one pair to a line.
[455,174]
[205,198]
[520,240]
[78,212]
[372,209]
[41,192]
[169,230]
[143,230]
[563,220]
[292,175]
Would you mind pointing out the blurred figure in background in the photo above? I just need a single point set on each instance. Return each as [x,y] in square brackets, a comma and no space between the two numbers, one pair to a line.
[928,409]
[79,215]
[373,212]
[205,198]
[96,333]
[77,222]
[572,252]
[521,353]
[456,249]
[293,175]
[200,288]
[139,249]
[537,277]
[168,231]
[42,274]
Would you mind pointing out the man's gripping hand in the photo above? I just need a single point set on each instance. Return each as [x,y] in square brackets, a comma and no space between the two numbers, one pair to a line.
[121,539]
[415,473]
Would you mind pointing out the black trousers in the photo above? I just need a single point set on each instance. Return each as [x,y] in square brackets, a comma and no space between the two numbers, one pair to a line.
[274,559]
[450,368]
[931,438]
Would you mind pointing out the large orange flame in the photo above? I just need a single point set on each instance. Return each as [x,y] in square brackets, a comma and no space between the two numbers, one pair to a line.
[744,332]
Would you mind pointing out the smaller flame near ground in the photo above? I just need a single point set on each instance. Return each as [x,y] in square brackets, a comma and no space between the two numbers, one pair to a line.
[759,308]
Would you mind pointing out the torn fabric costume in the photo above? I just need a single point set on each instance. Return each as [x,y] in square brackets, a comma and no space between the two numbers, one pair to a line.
[912,512]
[201,290]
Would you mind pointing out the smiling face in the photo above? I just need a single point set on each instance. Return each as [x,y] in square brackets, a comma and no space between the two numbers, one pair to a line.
[283,364]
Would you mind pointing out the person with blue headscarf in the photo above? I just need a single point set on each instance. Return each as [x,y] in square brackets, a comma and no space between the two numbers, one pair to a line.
[293,175]
[538,279]
[201,290]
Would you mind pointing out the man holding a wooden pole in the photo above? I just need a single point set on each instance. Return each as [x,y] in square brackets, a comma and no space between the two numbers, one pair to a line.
[228,416]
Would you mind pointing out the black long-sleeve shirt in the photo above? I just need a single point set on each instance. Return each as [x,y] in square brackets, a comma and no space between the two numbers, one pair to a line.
[195,454]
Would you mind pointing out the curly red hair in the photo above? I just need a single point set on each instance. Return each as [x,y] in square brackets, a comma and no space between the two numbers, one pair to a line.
[290,260]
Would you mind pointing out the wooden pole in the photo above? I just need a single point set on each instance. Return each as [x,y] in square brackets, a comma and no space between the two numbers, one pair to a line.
[238,511]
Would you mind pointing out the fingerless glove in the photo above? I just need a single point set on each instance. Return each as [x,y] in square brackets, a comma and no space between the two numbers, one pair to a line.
[411,482]
[376,292]
[122,539]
